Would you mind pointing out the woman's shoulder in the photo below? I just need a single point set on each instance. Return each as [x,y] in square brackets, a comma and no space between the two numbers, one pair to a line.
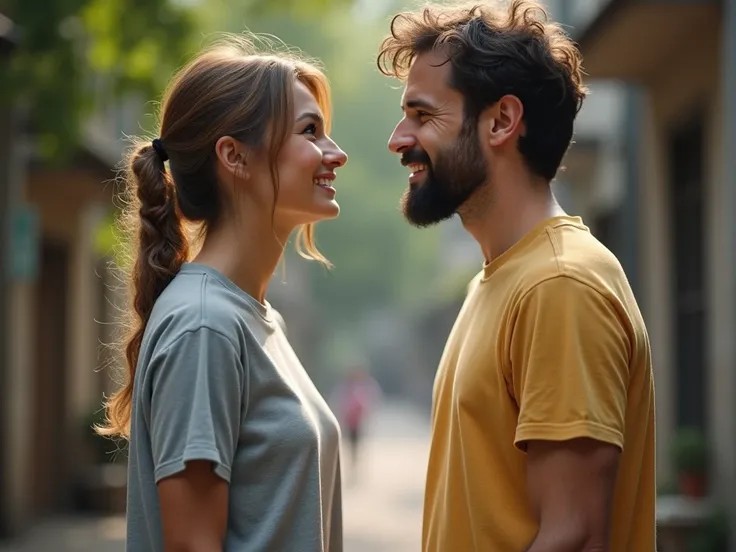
[191,303]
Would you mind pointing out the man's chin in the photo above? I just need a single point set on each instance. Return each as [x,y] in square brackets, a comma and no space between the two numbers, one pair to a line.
[414,187]
[422,218]
[422,210]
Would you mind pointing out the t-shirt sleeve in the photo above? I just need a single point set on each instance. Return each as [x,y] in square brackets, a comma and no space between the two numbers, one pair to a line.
[569,364]
[196,399]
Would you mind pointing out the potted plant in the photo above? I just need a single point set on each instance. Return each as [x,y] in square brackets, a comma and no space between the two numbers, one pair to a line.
[667,488]
[713,535]
[690,457]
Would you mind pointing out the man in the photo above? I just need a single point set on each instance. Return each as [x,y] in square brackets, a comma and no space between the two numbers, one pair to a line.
[543,414]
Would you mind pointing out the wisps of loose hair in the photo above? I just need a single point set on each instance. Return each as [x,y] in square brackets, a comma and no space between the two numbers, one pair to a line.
[241,86]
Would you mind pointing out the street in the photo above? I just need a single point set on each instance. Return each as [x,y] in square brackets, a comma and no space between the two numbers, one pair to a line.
[382,498]
[383,502]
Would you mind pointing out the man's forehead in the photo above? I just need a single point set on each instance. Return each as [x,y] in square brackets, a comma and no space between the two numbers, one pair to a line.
[428,78]
[430,66]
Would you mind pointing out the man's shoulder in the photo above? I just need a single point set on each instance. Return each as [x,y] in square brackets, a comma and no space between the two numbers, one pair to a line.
[571,252]
[572,267]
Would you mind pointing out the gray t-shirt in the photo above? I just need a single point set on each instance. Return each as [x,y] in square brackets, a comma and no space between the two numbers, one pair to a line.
[217,380]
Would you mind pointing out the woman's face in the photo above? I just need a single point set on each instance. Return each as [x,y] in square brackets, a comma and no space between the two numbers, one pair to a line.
[306,167]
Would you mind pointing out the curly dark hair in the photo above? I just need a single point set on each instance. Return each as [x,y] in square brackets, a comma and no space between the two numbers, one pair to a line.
[493,52]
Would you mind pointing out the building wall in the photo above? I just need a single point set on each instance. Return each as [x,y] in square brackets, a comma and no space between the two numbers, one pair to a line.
[690,80]
[592,181]
[45,407]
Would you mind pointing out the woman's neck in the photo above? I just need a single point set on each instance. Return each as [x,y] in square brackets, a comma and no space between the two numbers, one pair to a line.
[246,254]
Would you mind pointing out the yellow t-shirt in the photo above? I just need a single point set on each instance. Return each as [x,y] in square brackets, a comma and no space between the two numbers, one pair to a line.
[549,345]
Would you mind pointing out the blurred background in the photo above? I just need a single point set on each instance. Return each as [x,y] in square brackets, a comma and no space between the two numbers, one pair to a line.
[652,171]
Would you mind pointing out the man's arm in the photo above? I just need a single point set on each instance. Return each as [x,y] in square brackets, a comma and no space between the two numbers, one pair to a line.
[570,486]
[570,371]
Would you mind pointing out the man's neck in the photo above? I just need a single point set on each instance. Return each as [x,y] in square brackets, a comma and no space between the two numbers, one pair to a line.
[497,222]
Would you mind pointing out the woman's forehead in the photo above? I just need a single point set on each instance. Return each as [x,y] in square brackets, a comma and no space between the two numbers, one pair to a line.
[304,98]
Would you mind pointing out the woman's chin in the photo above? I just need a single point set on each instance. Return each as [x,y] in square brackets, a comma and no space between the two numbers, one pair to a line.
[316,212]
[326,211]
[320,213]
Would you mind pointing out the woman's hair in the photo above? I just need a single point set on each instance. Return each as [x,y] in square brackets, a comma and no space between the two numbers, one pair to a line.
[231,89]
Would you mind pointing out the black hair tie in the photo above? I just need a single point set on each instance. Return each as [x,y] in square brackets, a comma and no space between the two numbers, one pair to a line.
[160,151]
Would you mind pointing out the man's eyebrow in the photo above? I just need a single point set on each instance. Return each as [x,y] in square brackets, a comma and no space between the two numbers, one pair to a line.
[310,115]
[417,104]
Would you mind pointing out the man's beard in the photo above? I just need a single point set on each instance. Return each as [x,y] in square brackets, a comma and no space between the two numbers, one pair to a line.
[458,171]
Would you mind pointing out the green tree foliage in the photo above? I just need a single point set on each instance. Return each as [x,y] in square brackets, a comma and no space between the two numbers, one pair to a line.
[69,48]
[382,265]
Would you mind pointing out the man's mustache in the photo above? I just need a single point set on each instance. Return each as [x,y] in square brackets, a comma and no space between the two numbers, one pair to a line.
[415,156]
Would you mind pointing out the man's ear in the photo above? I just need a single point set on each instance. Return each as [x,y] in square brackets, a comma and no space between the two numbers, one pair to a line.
[233,156]
[504,120]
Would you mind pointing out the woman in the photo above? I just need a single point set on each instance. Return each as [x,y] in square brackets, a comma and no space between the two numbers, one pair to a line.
[231,445]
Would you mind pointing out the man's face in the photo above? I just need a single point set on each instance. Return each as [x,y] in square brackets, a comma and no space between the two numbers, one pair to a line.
[440,148]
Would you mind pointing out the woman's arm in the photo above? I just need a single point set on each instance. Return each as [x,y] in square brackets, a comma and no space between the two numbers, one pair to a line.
[194,509]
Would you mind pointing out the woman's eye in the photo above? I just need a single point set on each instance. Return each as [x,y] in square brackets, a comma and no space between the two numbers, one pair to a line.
[311,129]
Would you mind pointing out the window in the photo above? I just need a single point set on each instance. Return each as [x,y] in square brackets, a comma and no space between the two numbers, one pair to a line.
[686,161]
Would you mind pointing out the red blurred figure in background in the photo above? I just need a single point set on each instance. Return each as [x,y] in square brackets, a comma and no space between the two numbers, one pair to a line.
[353,400]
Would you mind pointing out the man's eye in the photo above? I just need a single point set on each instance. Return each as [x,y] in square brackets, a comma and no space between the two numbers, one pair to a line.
[422,114]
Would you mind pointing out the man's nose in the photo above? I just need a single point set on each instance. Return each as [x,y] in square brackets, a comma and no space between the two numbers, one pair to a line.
[401,140]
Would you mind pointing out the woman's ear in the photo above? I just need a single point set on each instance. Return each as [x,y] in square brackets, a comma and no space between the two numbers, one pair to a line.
[233,157]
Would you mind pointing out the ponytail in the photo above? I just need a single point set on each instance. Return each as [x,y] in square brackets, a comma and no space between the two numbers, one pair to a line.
[162,249]
[233,89]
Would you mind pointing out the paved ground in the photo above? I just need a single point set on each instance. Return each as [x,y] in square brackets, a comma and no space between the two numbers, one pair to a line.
[382,498]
